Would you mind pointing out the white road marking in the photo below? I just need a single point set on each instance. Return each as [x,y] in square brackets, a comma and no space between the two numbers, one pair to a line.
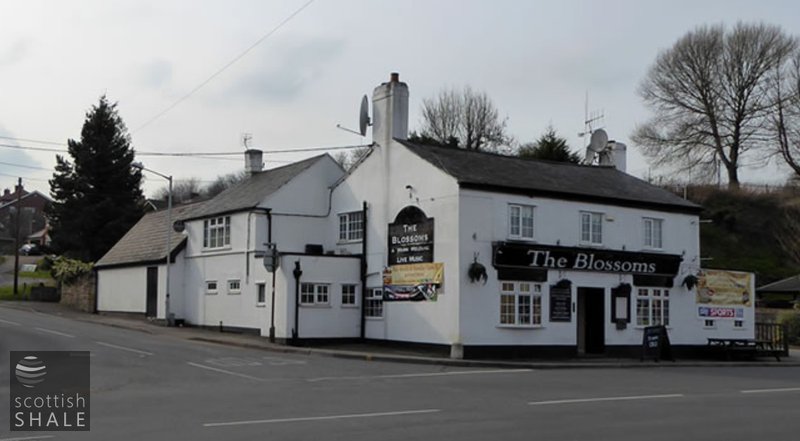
[425,374]
[10,323]
[595,400]
[323,418]
[56,332]
[27,438]
[123,348]
[767,391]
[276,361]
[223,371]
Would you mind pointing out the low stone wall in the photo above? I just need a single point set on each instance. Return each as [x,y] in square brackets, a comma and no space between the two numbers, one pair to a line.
[79,294]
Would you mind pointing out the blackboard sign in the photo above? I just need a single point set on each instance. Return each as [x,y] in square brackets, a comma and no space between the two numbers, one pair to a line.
[410,238]
[560,304]
[655,344]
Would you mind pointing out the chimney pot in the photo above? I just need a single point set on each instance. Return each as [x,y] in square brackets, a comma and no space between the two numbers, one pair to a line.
[395,77]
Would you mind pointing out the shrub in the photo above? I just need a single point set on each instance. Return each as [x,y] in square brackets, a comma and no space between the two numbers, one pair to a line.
[792,321]
[69,270]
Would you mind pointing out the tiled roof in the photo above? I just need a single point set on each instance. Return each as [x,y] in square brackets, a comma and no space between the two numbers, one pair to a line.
[250,192]
[146,241]
[511,174]
[790,284]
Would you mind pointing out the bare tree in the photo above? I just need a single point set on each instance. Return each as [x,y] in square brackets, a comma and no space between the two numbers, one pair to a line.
[349,159]
[710,97]
[787,117]
[183,190]
[223,182]
[466,118]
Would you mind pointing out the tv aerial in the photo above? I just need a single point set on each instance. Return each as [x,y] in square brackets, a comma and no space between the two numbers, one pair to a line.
[363,119]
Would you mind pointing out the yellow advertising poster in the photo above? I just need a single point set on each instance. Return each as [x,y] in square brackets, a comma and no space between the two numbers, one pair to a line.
[414,282]
[417,273]
[729,288]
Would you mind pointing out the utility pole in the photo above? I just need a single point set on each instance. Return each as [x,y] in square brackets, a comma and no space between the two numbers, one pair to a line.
[16,237]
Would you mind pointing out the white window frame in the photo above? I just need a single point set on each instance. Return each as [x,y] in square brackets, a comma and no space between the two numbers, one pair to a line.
[319,293]
[212,287]
[346,296]
[234,286]
[589,236]
[652,306]
[217,233]
[520,304]
[517,228]
[351,226]
[373,304]
[653,233]
[259,287]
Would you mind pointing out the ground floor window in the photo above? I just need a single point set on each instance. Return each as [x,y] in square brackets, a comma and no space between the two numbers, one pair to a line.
[520,304]
[373,304]
[349,294]
[652,307]
[314,294]
[261,293]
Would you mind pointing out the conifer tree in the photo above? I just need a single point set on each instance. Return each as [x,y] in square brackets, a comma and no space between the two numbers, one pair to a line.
[97,194]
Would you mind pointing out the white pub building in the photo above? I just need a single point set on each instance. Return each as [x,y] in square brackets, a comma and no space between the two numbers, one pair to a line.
[477,253]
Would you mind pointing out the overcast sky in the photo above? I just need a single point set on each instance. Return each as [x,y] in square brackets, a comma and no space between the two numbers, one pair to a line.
[535,59]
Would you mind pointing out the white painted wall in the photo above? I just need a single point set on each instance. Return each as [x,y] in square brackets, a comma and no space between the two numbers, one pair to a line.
[122,289]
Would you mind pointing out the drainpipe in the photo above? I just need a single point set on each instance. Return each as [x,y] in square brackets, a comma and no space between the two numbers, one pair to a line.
[363,270]
[272,307]
[297,272]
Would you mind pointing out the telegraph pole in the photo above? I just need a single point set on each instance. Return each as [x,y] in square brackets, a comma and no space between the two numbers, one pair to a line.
[16,237]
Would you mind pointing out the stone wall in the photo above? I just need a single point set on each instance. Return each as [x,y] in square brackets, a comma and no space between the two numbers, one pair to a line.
[79,294]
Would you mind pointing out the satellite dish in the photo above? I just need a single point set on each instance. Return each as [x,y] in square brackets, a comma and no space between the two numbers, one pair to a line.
[363,116]
[599,141]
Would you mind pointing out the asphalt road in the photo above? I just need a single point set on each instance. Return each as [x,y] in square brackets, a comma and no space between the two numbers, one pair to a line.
[157,387]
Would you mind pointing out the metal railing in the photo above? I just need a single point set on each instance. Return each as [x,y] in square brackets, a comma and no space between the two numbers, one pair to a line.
[776,334]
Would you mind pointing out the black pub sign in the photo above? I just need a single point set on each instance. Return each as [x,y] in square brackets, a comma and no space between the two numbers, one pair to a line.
[514,255]
[410,237]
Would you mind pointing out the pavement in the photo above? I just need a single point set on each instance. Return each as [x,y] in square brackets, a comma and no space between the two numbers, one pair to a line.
[372,351]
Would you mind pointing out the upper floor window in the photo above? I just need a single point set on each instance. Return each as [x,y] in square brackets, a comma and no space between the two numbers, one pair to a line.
[351,226]
[520,221]
[653,232]
[217,232]
[591,228]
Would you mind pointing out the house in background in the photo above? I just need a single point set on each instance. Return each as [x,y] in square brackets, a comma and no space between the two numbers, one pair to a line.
[474,253]
[784,293]
[33,222]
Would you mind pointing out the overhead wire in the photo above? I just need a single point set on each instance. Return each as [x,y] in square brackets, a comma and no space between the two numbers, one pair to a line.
[224,68]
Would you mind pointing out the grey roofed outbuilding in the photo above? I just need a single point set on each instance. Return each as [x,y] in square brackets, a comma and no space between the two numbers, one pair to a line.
[509,174]
[250,192]
[145,242]
[787,285]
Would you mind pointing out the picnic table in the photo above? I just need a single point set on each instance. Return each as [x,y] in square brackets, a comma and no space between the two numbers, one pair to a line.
[747,346]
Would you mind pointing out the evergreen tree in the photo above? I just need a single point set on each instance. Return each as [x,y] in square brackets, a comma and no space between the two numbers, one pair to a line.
[97,196]
[550,147]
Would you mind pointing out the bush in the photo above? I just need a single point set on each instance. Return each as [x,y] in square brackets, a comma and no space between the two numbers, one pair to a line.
[45,263]
[68,270]
[792,321]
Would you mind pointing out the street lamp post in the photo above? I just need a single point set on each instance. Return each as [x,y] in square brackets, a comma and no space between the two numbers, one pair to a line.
[169,235]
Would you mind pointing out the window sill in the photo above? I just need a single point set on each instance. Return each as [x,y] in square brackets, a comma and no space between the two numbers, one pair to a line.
[216,250]
[349,242]
[521,239]
[315,305]
[261,305]
[641,327]
[373,318]
[520,326]
[350,306]
[211,293]
[235,293]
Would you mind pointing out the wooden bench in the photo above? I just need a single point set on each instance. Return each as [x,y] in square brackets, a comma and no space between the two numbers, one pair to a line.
[748,347]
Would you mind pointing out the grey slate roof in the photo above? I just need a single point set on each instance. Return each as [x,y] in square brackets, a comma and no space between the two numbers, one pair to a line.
[548,178]
[789,284]
[250,192]
[146,241]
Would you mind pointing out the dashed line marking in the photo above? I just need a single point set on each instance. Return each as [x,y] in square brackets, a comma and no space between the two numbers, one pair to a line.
[424,374]
[596,400]
[768,391]
[325,418]
[223,371]
[63,334]
[123,348]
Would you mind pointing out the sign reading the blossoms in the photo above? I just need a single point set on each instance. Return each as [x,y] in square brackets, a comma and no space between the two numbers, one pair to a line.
[410,238]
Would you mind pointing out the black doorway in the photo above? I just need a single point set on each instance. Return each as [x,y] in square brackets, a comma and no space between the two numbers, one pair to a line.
[591,321]
[152,291]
